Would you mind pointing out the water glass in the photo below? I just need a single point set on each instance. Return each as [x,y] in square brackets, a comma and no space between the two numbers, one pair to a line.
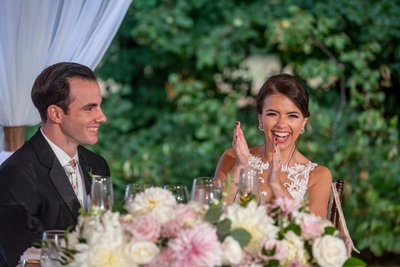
[52,242]
[248,187]
[180,192]
[131,190]
[206,190]
[101,194]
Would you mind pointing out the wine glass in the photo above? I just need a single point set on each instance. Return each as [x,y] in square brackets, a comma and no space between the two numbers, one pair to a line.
[248,187]
[131,190]
[206,190]
[101,194]
[52,242]
[179,191]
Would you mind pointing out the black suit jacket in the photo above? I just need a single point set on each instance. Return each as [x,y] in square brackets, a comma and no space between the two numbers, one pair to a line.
[36,195]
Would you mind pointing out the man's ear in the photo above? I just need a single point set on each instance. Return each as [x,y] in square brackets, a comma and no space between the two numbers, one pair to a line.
[54,114]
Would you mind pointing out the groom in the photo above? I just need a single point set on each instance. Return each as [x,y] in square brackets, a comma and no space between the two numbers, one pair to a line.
[36,192]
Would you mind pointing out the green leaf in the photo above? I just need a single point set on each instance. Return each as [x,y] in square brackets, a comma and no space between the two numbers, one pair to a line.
[223,229]
[354,262]
[241,236]
[213,214]
[330,230]
[293,227]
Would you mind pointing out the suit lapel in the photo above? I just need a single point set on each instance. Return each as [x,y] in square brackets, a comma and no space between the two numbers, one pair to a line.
[57,174]
[60,180]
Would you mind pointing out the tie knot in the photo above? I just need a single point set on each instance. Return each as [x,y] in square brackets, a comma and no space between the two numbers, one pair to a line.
[73,163]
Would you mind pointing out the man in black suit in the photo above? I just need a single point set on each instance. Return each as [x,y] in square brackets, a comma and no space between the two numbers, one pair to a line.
[36,193]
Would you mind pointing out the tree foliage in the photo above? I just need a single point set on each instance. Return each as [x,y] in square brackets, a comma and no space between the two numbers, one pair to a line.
[182,86]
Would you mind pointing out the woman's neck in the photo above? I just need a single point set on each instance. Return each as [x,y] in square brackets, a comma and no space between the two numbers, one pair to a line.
[287,155]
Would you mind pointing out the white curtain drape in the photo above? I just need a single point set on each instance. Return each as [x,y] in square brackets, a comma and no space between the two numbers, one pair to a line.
[35,34]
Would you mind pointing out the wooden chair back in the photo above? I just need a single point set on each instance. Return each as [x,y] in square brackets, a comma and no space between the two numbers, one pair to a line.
[334,218]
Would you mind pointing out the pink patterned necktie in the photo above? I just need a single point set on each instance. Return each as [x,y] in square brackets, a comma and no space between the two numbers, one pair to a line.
[70,170]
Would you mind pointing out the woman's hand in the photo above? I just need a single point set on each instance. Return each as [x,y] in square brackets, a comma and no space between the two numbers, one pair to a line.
[274,172]
[240,147]
[276,164]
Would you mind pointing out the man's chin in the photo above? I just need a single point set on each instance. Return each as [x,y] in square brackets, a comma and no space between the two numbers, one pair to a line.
[91,141]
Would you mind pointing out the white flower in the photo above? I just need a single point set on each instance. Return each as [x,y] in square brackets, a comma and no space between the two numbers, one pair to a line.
[158,201]
[104,230]
[142,252]
[102,256]
[294,250]
[253,219]
[329,251]
[232,251]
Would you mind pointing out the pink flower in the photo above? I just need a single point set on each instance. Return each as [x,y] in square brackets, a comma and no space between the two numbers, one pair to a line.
[185,216]
[311,226]
[171,228]
[269,246]
[197,246]
[145,228]
[162,259]
[287,206]
[295,264]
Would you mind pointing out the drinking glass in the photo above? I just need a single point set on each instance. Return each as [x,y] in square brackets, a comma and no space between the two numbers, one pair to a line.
[248,187]
[52,241]
[101,194]
[206,190]
[179,191]
[131,190]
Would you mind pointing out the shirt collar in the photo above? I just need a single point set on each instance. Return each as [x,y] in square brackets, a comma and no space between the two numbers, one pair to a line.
[62,157]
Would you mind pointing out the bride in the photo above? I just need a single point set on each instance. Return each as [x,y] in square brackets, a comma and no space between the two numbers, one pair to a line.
[282,170]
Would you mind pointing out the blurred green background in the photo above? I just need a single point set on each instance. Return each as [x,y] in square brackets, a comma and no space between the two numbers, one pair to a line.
[180,73]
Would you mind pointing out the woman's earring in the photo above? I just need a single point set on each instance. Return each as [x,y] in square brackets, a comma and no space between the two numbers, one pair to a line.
[260,127]
[302,130]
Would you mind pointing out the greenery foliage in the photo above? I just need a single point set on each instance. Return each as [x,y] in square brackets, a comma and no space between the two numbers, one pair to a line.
[176,85]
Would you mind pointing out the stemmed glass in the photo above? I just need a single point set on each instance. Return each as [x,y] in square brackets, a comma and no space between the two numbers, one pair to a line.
[131,190]
[248,187]
[206,190]
[179,191]
[52,242]
[101,194]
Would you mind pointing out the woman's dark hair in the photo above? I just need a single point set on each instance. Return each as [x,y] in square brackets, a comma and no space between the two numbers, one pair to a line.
[287,85]
[52,87]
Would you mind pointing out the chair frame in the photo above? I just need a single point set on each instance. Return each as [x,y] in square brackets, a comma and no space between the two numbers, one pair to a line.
[334,211]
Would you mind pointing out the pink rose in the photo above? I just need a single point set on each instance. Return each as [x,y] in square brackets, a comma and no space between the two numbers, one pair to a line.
[287,205]
[185,216]
[145,228]
[171,228]
[311,226]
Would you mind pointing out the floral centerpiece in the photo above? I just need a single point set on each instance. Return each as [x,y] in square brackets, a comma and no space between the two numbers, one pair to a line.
[156,231]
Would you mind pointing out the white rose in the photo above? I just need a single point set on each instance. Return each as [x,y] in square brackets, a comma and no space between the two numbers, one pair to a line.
[329,251]
[142,252]
[232,251]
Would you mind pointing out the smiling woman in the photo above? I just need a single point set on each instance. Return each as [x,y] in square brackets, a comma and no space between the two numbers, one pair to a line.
[278,168]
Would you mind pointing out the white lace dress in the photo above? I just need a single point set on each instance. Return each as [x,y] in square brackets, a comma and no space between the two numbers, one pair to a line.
[298,175]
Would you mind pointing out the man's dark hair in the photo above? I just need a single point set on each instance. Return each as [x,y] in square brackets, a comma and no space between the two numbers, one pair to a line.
[52,86]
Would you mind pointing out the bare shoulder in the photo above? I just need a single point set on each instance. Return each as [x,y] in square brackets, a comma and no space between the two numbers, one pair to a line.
[321,174]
